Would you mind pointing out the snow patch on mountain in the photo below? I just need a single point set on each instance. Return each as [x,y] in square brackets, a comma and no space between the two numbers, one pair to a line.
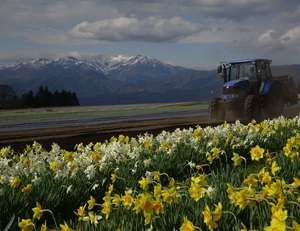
[101,63]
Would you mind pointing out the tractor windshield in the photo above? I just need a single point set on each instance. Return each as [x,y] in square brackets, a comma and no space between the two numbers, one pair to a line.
[242,71]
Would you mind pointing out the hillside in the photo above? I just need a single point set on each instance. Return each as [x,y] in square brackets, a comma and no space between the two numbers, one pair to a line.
[120,79]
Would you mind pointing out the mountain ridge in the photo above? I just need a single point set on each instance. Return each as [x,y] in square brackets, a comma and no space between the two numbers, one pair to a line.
[117,79]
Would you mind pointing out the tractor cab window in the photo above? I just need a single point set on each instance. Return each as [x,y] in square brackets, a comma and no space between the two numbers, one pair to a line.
[264,70]
[242,71]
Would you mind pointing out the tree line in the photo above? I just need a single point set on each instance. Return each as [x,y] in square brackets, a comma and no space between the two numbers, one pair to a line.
[42,98]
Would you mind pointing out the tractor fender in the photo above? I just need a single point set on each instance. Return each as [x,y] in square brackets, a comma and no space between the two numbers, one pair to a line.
[268,85]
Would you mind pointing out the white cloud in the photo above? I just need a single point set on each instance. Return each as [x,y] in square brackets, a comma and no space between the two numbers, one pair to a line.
[237,26]
[291,36]
[267,36]
[123,29]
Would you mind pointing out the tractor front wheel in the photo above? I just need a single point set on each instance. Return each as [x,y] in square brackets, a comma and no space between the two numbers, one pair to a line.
[216,111]
[252,107]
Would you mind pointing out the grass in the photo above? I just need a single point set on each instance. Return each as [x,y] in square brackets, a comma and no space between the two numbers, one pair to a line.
[22,116]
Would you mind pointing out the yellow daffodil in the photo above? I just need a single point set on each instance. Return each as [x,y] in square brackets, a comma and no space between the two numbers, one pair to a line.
[113,177]
[44,227]
[199,167]
[287,149]
[172,182]
[296,226]
[240,198]
[187,225]
[276,225]
[26,225]
[158,206]
[54,166]
[81,212]
[96,155]
[257,153]
[218,211]
[26,161]
[199,180]
[91,202]
[116,199]
[278,206]
[123,139]
[207,214]
[294,156]
[68,156]
[244,228]
[148,217]
[216,152]
[27,190]
[251,180]
[165,145]
[157,190]
[137,205]
[170,195]
[280,215]
[197,134]
[65,227]
[144,183]
[72,166]
[275,189]
[127,200]
[275,168]
[110,188]
[230,190]
[156,176]
[16,181]
[237,159]
[296,182]
[37,211]
[208,218]
[210,158]
[197,192]
[264,176]
[106,209]
[107,197]
[146,202]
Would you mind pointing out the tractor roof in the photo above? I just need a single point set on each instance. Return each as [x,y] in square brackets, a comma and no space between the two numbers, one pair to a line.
[250,60]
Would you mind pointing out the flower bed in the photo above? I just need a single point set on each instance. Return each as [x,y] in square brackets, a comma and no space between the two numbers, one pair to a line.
[229,177]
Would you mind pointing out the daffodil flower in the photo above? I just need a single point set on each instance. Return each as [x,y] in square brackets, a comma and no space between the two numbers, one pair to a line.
[37,211]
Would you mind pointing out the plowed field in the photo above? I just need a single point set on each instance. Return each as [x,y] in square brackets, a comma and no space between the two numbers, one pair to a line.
[68,137]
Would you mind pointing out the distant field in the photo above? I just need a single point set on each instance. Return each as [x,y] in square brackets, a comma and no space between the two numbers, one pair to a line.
[60,114]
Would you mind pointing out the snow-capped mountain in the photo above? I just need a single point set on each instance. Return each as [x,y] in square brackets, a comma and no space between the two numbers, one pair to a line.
[109,79]
[102,63]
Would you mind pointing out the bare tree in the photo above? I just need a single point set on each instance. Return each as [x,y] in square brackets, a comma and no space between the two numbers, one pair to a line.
[8,96]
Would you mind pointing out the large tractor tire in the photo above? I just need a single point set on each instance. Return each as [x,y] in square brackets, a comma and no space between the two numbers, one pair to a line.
[274,101]
[252,107]
[216,111]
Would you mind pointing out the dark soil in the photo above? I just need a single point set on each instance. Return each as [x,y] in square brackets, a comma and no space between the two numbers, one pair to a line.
[68,137]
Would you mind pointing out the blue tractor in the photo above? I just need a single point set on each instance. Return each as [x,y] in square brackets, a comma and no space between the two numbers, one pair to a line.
[250,90]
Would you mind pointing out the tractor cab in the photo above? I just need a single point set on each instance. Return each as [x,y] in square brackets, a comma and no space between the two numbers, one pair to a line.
[249,88]
[244,76]
[250,69]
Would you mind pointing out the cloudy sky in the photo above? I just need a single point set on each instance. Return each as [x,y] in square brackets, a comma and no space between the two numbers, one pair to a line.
[191,33]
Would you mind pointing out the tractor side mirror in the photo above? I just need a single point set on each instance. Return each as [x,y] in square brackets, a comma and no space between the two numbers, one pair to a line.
[219,69]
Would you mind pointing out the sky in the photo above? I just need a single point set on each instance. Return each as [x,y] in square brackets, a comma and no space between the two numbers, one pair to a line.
[191,33]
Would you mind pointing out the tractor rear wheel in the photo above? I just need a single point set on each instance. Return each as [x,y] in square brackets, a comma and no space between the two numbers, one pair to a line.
[274,101]
[216,111]
[252,107]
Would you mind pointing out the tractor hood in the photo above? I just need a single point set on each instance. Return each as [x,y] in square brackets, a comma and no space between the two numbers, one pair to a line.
[235,89]
[236,83]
